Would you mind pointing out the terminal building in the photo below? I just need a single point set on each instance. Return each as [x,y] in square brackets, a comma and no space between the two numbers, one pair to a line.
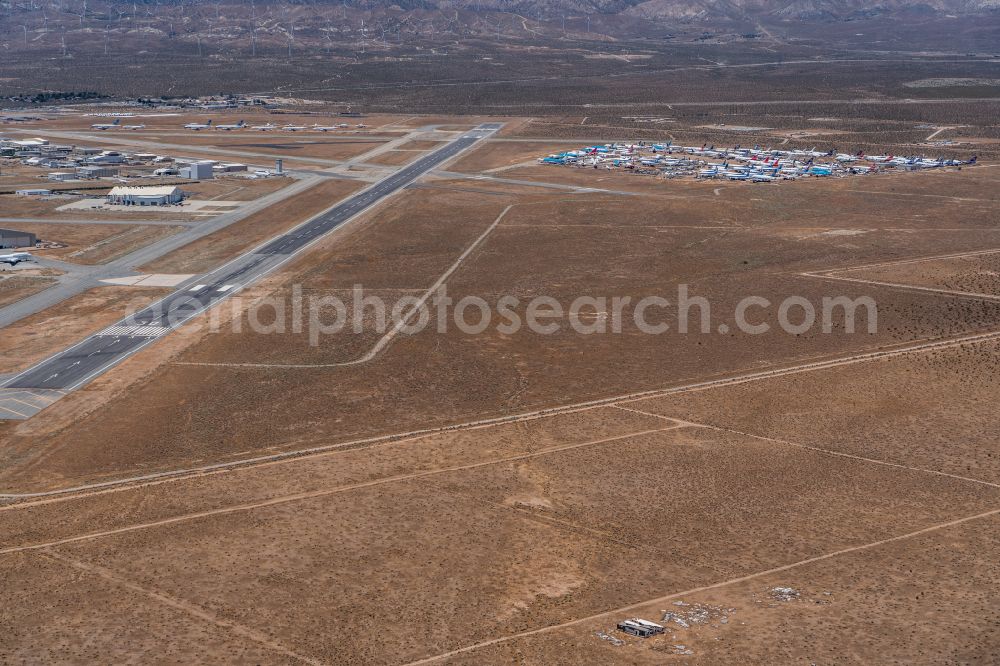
[145,196]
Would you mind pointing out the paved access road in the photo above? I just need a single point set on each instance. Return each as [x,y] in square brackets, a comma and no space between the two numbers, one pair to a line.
[79,364]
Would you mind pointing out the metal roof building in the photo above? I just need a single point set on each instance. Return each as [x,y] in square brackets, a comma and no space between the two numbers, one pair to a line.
[145,196]
[10,238]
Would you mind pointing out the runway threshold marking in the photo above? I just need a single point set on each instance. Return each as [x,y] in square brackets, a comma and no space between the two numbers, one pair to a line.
[146,331]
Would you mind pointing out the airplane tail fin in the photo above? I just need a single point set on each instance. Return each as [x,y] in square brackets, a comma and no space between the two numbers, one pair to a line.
[117,120]
[209,123]
[973,159]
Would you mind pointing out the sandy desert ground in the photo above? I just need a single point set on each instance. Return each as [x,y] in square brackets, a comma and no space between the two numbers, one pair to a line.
[823,497]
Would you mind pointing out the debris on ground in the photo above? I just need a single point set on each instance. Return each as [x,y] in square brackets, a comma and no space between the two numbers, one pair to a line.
[695,614]
[617,642]
[784,593]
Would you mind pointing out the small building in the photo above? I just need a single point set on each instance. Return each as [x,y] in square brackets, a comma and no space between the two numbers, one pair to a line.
[229,167]
[162,195]
[61,176]
[9,238]
[641,628]
[96,171]
[33,192]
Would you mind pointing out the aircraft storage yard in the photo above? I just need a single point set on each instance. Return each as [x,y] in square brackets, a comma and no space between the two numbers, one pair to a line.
[758,165]
[681,353]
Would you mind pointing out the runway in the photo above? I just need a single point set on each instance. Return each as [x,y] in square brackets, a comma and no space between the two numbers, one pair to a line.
[74,367]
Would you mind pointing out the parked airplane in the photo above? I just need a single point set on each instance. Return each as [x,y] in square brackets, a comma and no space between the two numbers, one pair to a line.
[134,127]
[294,128]
[15,258]
[239,125]
[325,128]
[106,126]
[198,126]
[264,128]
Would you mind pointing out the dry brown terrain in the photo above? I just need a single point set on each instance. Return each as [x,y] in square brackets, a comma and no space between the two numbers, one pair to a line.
[94,243]
[215,248]
[235,188]
[16,287]
[508,497]
[974,273]
[394,157]
[280,144]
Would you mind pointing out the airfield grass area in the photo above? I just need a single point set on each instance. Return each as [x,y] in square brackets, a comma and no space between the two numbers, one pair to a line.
[15,287]
[212,250]
[283,144]
[235,188]
[94,243]
[249,384]
[502,497]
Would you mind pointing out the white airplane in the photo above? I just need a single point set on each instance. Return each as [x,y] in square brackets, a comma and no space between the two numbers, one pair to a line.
[294,128]
[198,126]
[106,126]
[264,128]
[16,258]
[325,128]
[227,128]
[134,127]
[361,125]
